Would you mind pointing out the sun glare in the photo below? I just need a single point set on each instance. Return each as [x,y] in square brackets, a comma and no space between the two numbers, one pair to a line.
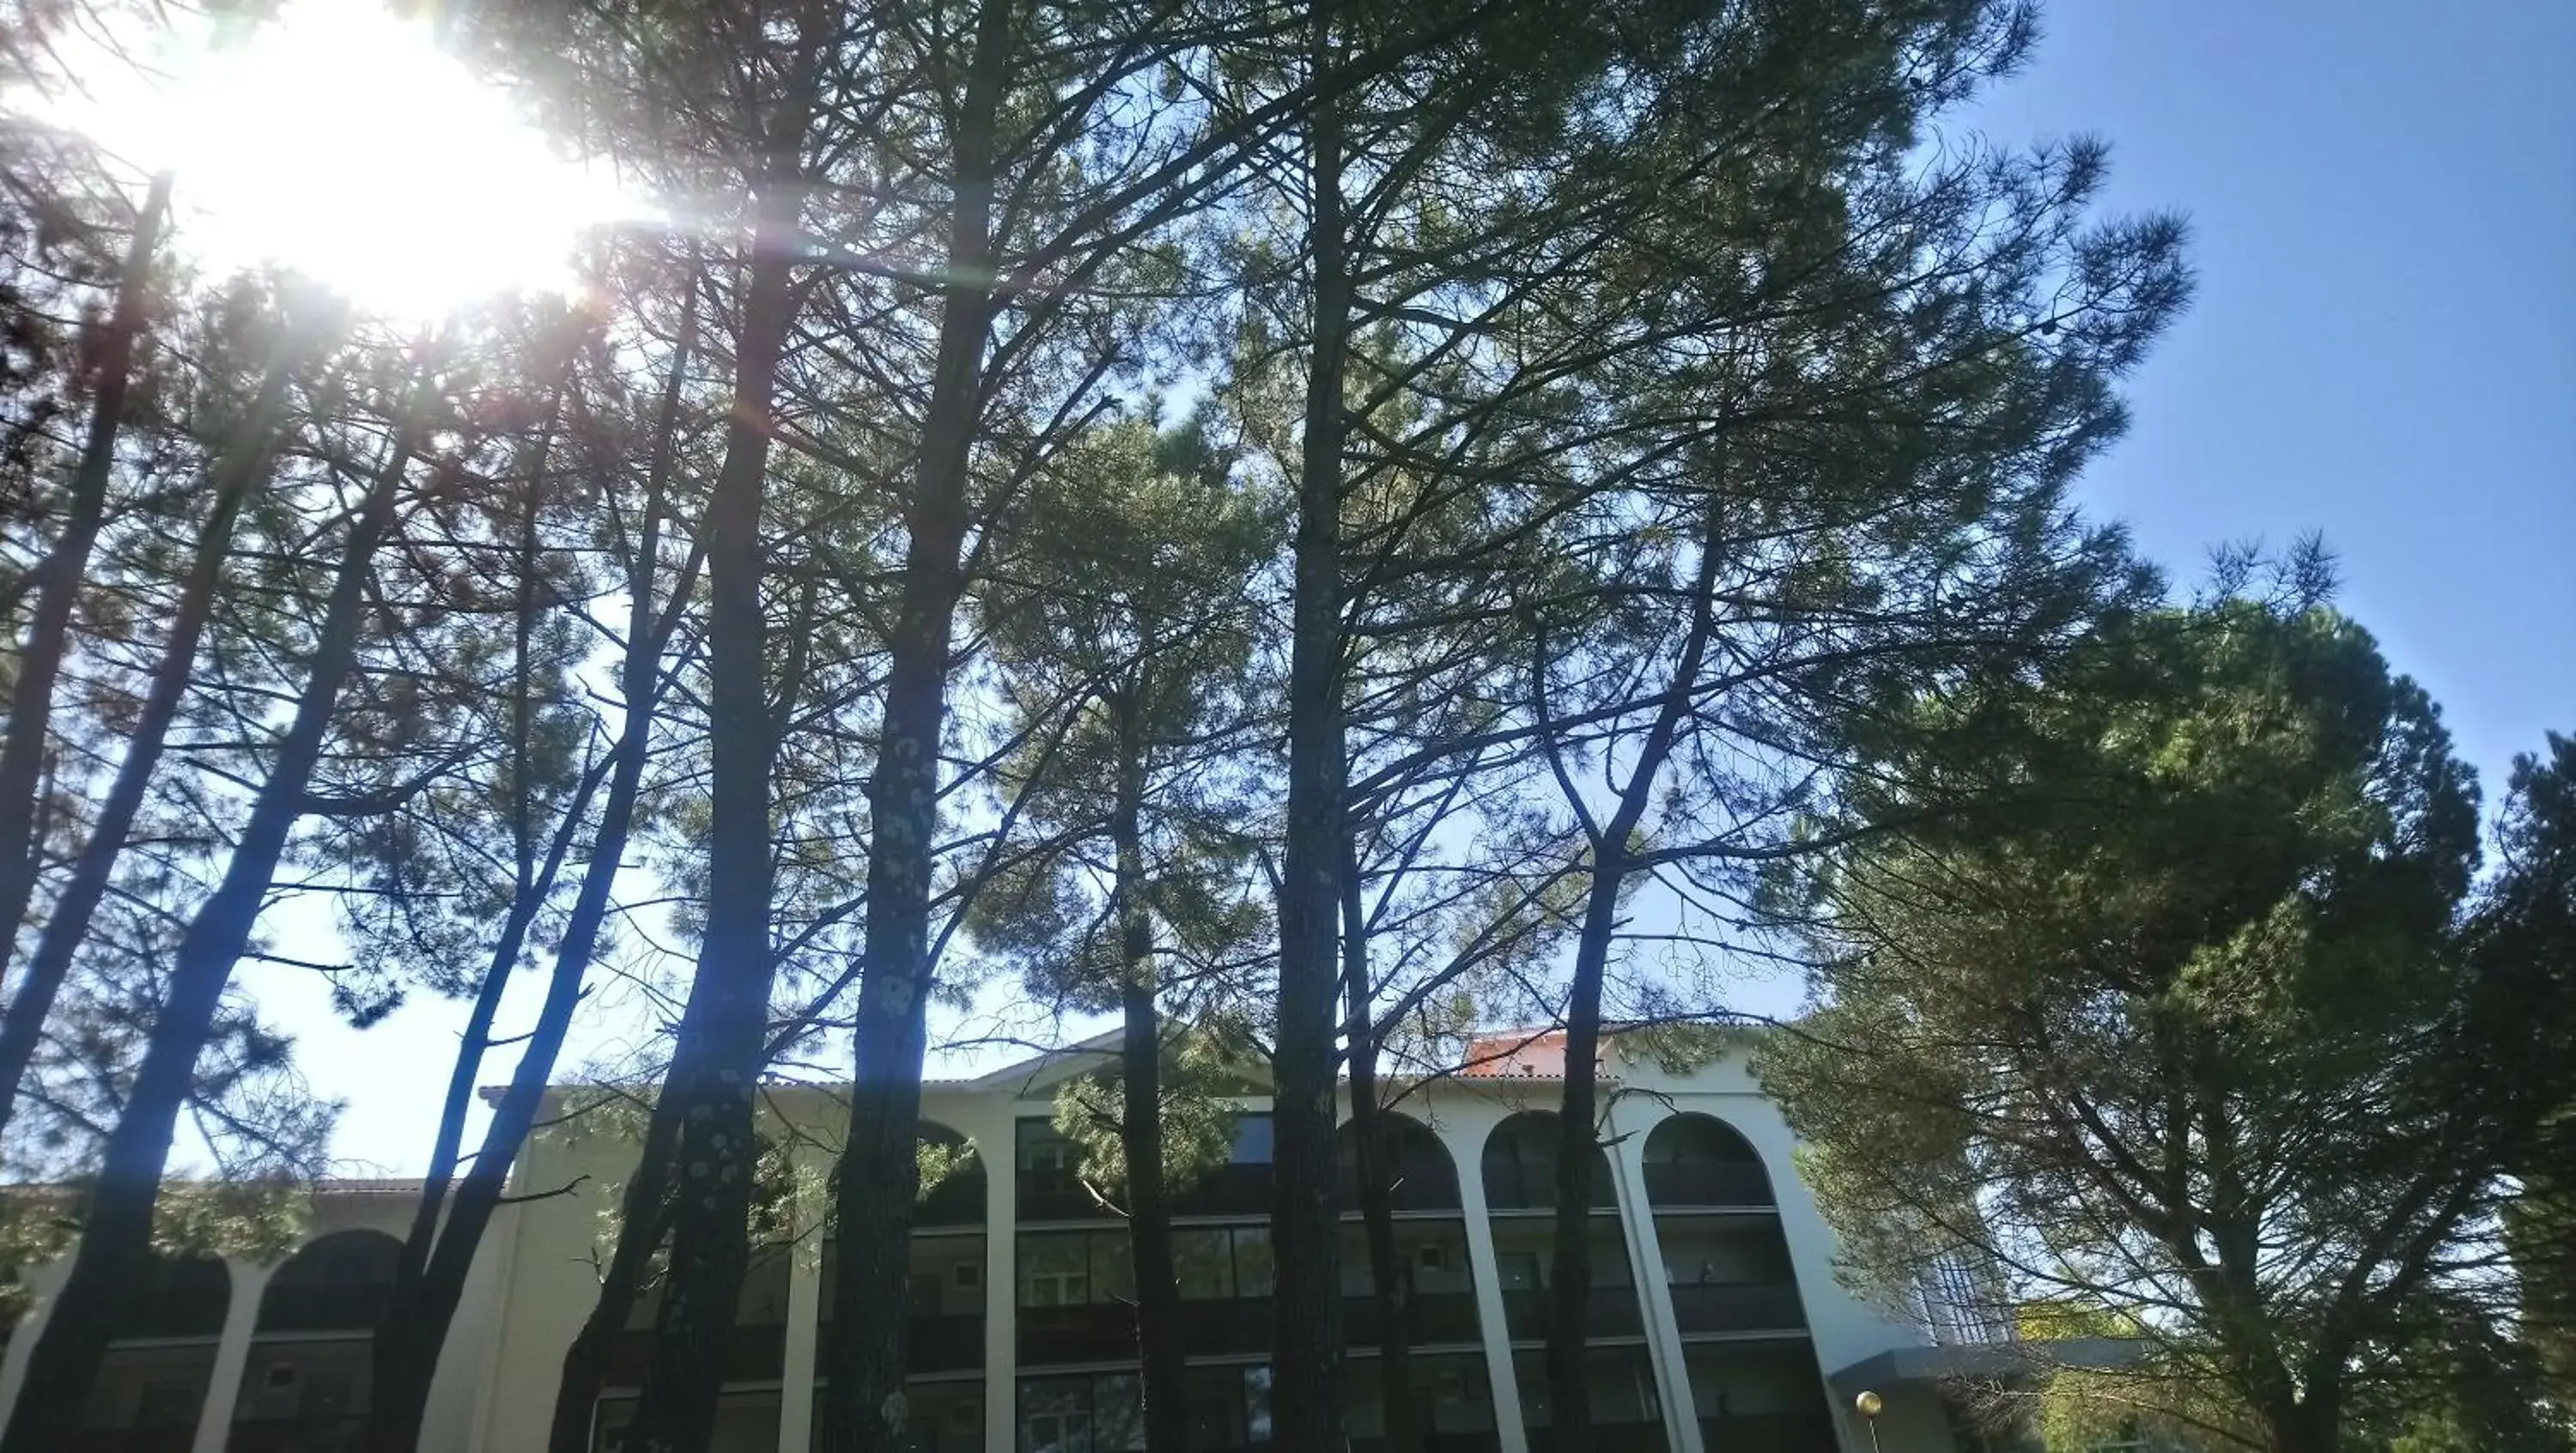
[341,142]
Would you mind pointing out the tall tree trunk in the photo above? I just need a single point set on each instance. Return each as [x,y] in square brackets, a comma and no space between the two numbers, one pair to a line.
[1307,1384]
[645,1212]
[1372,1146]
[716,1059]
[437,1258]
[116,1237]
[1149,1209]
[879,1175]
[1570,1294]
[40,661]
[1578,1116]
[234,477]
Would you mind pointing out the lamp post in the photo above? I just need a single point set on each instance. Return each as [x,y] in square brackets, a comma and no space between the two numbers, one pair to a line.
[1870,1404]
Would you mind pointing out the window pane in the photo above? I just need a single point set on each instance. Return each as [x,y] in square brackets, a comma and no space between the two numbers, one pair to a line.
[1113,1267]
[1055,1415]
[1042,1149]
[1253,1273]
[1117,1416]
[1203,1262]
[1256,1404]
[1252,1140]
[1054,1271]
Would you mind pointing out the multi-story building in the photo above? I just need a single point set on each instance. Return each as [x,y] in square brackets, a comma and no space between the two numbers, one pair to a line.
[1716,1323]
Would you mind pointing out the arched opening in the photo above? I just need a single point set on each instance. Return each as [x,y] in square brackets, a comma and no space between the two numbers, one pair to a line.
[1420,1174]
[1726,1260]
[1433,1292]
[1520,1166]
[310,1369]
[1699,1160]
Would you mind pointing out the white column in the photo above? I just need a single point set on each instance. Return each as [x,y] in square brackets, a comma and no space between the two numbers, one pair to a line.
[804,1301]
[1000,1148]
[232,1354]
[1654,1290]
[1509,1431]
[43,1282]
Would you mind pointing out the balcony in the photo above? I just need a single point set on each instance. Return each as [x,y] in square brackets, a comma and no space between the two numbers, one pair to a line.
[1608,1312]
[1770,1433]
[754,1353]
[933,1344]
[1432,1318]
[1738,1307]
[945,1344]
[1231,1325]
[1711,1185]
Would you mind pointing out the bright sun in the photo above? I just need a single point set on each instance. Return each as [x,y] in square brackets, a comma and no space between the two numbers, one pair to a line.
[339,141]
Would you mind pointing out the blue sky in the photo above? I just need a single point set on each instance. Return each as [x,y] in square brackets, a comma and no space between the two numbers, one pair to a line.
[2383,207]
[2383,200]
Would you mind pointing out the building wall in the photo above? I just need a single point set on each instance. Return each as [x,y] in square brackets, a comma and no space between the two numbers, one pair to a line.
[535,1283]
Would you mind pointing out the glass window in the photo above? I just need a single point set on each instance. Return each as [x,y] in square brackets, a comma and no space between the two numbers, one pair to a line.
[1117,1416]
[1113,1267]
[1252,1140]
[1042,1149]
[1055,1415]
[1203,1262]
[1054,1271]
[1254,1274]
[1256,1404]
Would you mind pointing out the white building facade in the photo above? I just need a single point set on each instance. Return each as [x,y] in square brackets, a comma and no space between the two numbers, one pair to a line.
[1717,1325]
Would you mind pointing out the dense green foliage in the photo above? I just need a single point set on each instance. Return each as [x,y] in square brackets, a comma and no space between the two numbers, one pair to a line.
[2175,1001]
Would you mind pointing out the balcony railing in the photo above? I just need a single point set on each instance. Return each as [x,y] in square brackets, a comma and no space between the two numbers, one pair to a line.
[1610,1438]
[1437,1443]
[1056,1194]
[1431,1318]
[175,1438]
[1228,1325]
[324,1308]
[756,1352]
[1237,1189]
[1524,1186]
[1608,1312]
[1671,1186]
[945,1344]
[1770,1433]
[295,1435]
[933,1343]
[1737,1307]
[1104,1332]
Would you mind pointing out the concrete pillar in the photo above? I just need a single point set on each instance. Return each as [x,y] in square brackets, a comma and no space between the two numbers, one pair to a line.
[804,1300]
[232,1354]
[999,1144]
[1467,1151]
[1646,1253]
[43,1282]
